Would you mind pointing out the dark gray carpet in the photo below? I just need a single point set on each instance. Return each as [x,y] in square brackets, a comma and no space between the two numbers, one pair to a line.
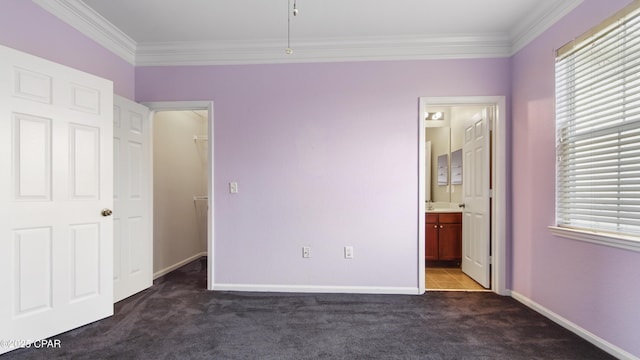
[178,319]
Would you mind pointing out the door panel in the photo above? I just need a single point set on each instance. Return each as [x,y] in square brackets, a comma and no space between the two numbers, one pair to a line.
[33,262]
[476,214]
[132,199]
[32,85]
[32,149]
[84,160]
[56,160]
[85,260]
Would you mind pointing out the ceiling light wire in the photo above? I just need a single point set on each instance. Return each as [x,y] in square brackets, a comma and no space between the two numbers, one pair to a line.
[289,50]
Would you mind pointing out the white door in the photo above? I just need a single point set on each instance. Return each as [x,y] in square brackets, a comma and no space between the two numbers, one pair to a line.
[476,211]
[133,228]
[56,161]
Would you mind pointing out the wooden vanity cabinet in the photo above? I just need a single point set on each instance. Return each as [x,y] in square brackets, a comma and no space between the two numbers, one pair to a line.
[443,233]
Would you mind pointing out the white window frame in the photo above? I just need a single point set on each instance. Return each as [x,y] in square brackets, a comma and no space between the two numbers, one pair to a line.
[618,240]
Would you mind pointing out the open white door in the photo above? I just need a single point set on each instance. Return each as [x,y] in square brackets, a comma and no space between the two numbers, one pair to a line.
[476,212]
[133,228]
[56,177]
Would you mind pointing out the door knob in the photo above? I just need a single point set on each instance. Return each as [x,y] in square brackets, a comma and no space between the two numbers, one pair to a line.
[106,212]
[461,205]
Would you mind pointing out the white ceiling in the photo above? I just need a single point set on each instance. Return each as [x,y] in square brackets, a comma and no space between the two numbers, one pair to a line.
[167,32]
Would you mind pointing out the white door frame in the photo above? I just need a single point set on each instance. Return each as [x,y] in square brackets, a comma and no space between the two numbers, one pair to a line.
[195,105]
[498,199]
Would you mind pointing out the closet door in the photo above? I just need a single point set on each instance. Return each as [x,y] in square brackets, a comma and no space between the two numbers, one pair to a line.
[132,197]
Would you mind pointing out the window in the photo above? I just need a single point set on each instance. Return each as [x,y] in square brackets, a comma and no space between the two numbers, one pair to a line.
[598,132]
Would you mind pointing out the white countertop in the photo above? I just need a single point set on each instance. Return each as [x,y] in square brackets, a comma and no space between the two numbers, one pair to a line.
[443,210]
[443,207]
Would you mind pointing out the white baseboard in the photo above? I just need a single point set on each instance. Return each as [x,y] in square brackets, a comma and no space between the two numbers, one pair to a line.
[318,289]
[177,265]
[576,329]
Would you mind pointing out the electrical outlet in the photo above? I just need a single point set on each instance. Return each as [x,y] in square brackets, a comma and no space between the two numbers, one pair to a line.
[306,252]
[233,187]
[348,252]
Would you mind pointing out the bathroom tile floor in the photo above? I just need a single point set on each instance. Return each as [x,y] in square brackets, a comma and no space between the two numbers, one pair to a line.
[451,279]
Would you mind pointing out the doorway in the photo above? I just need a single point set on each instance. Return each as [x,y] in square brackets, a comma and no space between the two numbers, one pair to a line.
[200,203]
[446,194]
[449,178]
[180,169]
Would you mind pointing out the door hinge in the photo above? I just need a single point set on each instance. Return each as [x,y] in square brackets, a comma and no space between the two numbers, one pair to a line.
[490,260]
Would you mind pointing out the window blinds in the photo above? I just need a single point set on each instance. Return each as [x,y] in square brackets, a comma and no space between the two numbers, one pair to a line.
[598,128]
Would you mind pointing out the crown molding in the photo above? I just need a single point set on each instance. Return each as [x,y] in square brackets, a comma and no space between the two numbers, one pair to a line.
[84,19]
[537,23]
[324,50]
[80,16]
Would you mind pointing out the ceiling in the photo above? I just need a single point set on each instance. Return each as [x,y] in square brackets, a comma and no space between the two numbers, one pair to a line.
[152,32]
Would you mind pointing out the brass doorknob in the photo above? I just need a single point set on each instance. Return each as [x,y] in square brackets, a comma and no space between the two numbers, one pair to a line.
[106,212]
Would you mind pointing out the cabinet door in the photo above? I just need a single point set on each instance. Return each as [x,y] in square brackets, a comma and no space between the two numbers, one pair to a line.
[431,237]
[450,241]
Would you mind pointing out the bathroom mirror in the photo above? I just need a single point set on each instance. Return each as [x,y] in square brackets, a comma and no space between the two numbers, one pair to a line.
[445,132]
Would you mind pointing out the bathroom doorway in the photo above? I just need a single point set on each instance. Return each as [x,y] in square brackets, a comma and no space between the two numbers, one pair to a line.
[449,127]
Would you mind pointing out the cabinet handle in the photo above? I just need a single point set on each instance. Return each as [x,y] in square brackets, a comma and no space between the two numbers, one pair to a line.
[435,226]
[441,226]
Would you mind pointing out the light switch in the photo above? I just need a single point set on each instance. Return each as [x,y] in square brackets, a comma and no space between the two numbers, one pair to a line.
[233,187]
[348,252]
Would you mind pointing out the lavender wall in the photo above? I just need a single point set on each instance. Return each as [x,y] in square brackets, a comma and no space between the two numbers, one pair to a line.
[593,286]
[27,27]
[325,156]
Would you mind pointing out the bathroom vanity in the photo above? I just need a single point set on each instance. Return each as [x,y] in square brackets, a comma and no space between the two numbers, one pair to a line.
[443,236]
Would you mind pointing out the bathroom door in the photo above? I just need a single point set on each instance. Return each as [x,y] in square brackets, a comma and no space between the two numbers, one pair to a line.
[476,211]
[56,189]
